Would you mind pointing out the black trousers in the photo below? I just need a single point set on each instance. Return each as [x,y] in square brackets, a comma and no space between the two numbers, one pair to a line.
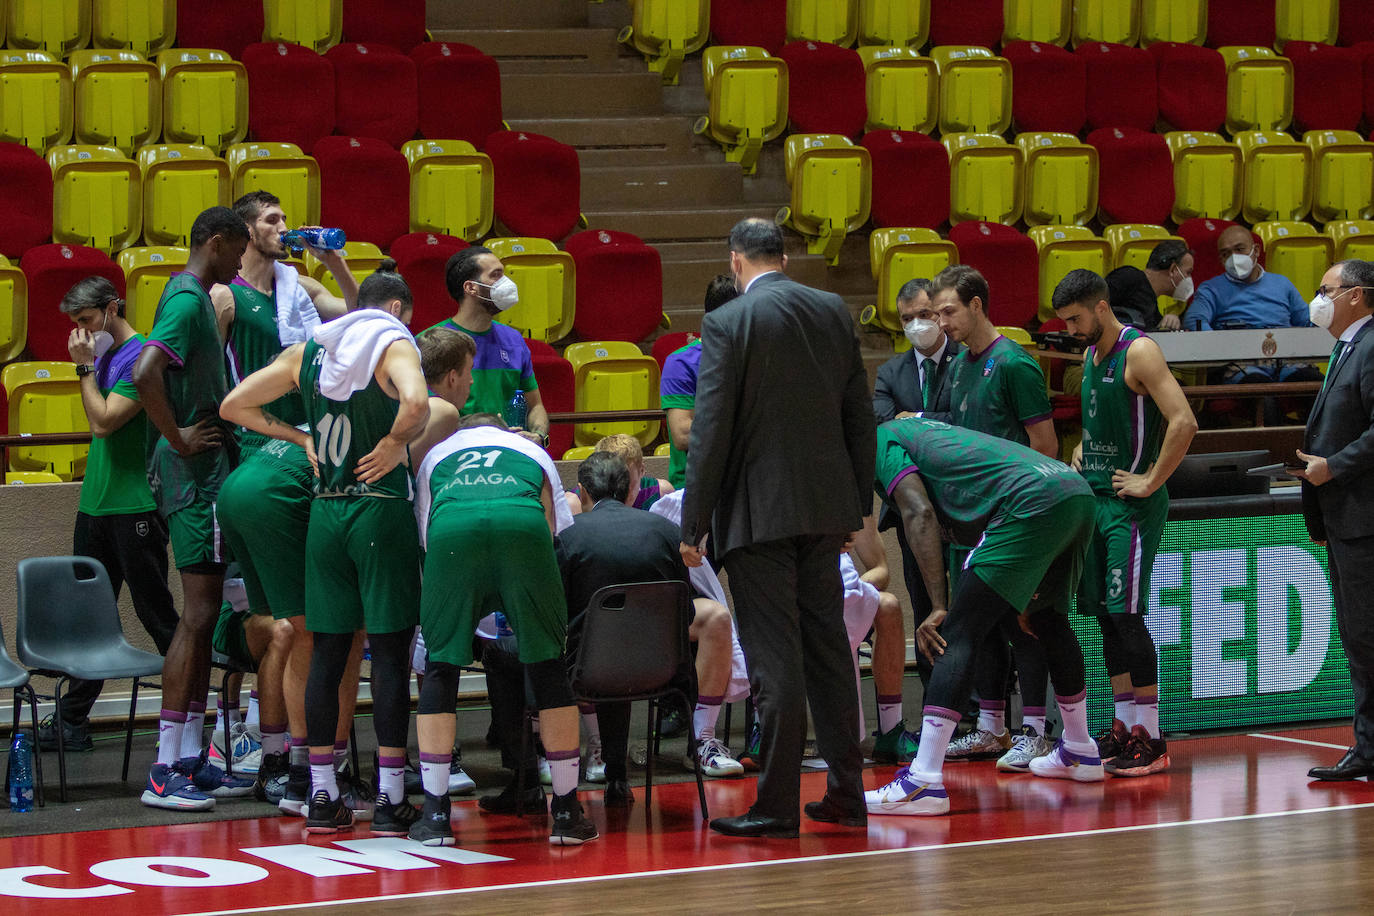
[790,609]
[920,600]
[133,550]
[1352,583]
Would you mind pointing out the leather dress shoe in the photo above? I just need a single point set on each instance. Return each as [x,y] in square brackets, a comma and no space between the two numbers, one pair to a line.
[828,811]
[1352,766]
[618,794]
[759,825]
[506,801]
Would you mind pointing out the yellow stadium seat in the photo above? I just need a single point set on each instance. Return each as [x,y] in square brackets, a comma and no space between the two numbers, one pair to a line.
[547,280]
[118,99]
[1354,238]
[45,397]
[14,310]
[1016,335]
[578,452]
[1060,179]
[833,21]
[1278,176]
[146,272]
[1048,21]
[1062,249]
[316,24]
[1173,20]
[1132,242]
[451,187]
[1297,251]
[662,450]
[179,181]
[363,259]
[1342,175]
[1259,89]
[746,92]
[4,19]
[145,26]
[613,378]
[894,22]
[97,197]
[56,26]
[902,89]
[1306,20]
[975,90]
[897,255]
[984,178]
[1116,21]
[586,351]
[35,99]
[664,31]
[20,478]
[282,169]
[832,188]
[204,97]
[1208,175]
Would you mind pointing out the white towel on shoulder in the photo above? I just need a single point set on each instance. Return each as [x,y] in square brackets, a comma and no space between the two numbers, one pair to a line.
[354,344]
[297,318]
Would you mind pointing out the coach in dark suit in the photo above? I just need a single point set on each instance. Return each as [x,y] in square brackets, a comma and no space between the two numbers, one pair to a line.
[781,470]
[1338,489]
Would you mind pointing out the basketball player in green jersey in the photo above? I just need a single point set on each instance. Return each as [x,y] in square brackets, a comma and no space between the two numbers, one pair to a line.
[1137,426]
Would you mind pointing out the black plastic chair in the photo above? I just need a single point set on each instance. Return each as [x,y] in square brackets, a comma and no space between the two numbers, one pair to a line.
[13,677]
[69,628]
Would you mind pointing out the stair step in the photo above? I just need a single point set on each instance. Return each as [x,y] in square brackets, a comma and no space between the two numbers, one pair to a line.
[660,187]
[444,15]
[581,95]
[629,141]
[678,224]
[531,51]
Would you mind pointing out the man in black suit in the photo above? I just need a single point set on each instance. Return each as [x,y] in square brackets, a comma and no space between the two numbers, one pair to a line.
[781,470]
[1338,488]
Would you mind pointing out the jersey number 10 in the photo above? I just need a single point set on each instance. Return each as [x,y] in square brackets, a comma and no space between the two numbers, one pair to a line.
[336,435]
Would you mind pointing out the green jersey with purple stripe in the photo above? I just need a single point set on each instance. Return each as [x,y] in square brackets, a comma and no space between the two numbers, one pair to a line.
[502,365]
[678,390]
[999,391]
[1121,429]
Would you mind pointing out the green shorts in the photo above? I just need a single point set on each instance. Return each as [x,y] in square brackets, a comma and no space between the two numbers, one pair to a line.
[362,560]
[489,557]
[196,538]
[229,638]
[1038,558]
[264,514]
[1126,536]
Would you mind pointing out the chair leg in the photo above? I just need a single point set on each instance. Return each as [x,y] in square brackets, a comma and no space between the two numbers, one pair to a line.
[654,714]
[228,738]
[725,729]
[129,733]
[353,744]
[692,746]
[61,740]
[37,754]
[520,765]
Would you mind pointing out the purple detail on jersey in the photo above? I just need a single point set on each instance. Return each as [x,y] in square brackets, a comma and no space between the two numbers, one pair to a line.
[898,479]
[680,371]
[941,712]
[117,365]
[176,360]
[1122,341]
[648,495]
[1037,419]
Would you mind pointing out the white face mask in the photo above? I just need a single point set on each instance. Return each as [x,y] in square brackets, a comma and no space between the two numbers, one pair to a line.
[922,332]
[1323,310]
[102,340]
[1240,266]
[1183,289]
[504,293]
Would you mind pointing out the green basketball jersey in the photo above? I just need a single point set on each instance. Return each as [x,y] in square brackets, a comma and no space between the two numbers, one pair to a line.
[346,431]
[253,343]
[1121,429]
[184,327]
[998,391]
[486,475]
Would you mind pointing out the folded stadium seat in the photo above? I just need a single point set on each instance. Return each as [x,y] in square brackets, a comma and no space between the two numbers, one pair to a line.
[613,378]
[1137,176]
[1062,249]
[1121,86]
[51,271]
[14,310]
[1278,176]
[1342,175]
[1208,173]
[826,88]
[1298,251]
[399,23]
[117,99]
[1037,20]
[910,179]
[459,92]
[901,254]
[1356,22]
[1354,238]
[1201,236]
[316,24]
[1010,263]
[1366,51]
[538,184]
[1259,89]
[584,242]
[1132,242]
[375,92]
[746,92]
[1183,21]
[619,287]
[421,258]
[26,188]
[1060,179]
[1106,21]
[903,23]
[285,84]
[756,23]
[832,190]
[56,26]
[1324,95]
[667,344]
[364,188]
[1191,86]
[363,259]
[966,22]
[45,397]
[282,169]
[1304,21]
[231,27]
[975,90]
[1240,22]
[451,188]
[985,174]
[665,31]
[1051,86]
[35,99]
[902,89]
[146,272]
[97,197]
[145,26]
[547,280]
[834,22]
[557,385]
[179,181]
[204,97]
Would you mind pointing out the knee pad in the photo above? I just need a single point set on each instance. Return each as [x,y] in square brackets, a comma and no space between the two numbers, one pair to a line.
[440,691]
[1114,656]
[548,681]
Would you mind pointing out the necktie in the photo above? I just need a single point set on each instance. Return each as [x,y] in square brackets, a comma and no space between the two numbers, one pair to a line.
[927,383]
[1336,353]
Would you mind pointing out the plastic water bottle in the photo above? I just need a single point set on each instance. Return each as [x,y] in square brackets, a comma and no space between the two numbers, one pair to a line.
[516,410]
[21,773]
[323,239]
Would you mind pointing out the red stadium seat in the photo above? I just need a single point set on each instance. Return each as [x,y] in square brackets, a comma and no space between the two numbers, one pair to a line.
[364,188]
[826,88]
[285,85]
[1011,264]
[26,189]
[1240,22]
[667,344]
[460,92]
[399,23]
[1324,95]
[230,27]
[758,23]
[375,92]
[52,270]
[910,179]
[1356,21]
[421,258]
[966,22]
[538,184]
[1121,90]
[619,286]
[1201,235]
[1050,87]
[557,391]
[1136,176]
[1191,85]
[1366,51]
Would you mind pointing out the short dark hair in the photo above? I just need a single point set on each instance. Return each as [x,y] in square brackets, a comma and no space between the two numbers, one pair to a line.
[90,293]
[913,288]
[461,268]
[1355,272]
[442,350]
[253,203]
[757,239]
[965,281]
[219,221]
[1080,286]
[719,291]
[382,285]
[481,419]
[603,475]
[1167,253]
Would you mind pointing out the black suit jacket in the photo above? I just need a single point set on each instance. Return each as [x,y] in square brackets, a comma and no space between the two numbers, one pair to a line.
[1340,428]
[784,441]
[614,544]
[898,387]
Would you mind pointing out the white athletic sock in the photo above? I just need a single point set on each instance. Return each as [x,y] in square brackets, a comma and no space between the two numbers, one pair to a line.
[434,769]
[704,716]
[889,712]
[252,718]
[992,716]
[590,724]
[1123,705]
[936,731]
[341,754]
[273,739]
[169,728]
[194,732]
[564,767]
[1034,716]
[1074,712]
[322,775]
[391,778]
[1147,715]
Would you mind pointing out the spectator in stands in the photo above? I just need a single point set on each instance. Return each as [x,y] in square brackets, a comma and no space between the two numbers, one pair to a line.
[644,490]
[678,387]
[1135,293]
[1246,295]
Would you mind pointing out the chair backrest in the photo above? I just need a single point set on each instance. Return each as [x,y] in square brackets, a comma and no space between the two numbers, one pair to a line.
[633,640]
[459,91]
[364,188]
[285,84]
[374,92]
[66,608]
[26,187]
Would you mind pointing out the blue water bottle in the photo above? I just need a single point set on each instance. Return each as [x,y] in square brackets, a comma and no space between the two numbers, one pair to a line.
[323,239]
[516,410]
[21,773]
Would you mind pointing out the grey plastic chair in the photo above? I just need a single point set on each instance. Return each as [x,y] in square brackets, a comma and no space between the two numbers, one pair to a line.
[13,677]
[69,628]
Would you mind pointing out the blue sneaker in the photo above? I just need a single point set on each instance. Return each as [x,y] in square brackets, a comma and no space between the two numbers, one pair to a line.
[211,780]
[170,788]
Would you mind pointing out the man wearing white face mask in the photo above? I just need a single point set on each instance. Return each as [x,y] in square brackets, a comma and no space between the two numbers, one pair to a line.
[916,382]
[1245,296]
[1135,293]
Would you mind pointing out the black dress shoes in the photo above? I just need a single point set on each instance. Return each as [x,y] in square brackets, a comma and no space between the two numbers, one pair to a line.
[618,794]
[828,811]
[1352,766]
[751,824]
